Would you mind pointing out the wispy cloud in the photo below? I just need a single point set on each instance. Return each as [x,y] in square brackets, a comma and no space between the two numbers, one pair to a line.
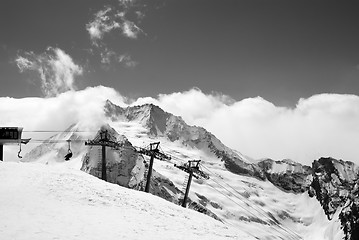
[112,18]
[55,68]
[122,19]
[108,56]
[130,30]
[101,24]
[127,61]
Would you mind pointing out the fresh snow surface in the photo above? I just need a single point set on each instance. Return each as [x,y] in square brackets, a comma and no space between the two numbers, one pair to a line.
[281,168]
[46,202]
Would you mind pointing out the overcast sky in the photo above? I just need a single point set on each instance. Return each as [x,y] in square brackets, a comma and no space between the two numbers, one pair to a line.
[225,52]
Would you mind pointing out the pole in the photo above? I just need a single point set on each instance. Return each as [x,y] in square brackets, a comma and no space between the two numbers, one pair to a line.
[104,177]
[1,152]
[149,173]
[187,189]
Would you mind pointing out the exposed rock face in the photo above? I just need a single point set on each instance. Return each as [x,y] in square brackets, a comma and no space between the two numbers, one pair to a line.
[333,181]
[349,216]
[287,174]
[335,185]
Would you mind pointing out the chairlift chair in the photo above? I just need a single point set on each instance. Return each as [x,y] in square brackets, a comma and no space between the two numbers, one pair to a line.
[69,152]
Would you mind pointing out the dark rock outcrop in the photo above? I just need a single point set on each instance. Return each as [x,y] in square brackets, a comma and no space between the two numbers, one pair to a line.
[287,174]
[349,216]
[335,185]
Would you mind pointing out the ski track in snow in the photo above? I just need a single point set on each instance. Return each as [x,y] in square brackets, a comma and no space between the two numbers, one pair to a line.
[46,202]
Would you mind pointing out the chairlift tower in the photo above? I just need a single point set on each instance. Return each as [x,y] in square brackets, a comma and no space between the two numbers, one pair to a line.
[152,151]
[104,141]
[191,167]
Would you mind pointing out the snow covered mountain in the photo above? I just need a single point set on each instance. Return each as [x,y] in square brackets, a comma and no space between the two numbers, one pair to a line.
[267,199]
[163,124]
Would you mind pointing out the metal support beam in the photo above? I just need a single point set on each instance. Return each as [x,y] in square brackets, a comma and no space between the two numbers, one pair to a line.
[184,203]
[102,139]
[153,152]
[1,152]
[104,176]
[149,174]
[192,167]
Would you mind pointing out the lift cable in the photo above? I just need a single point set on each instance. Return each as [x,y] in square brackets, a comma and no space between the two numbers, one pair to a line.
[245,199]
[246,210]
[56,131]
[248,203]
[257,209]
[173,157]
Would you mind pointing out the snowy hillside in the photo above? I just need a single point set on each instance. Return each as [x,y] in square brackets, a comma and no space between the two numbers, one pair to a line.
[45,202]
[258,207]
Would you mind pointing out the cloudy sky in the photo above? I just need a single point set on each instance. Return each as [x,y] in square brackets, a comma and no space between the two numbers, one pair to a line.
[271,78]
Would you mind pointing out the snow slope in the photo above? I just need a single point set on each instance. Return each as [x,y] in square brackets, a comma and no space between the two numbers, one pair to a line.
[256,207]
[45,202]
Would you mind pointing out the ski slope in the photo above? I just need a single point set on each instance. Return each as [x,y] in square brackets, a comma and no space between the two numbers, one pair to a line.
[44,202]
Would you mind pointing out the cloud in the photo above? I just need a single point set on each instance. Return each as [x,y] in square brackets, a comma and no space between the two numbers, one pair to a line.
[112,18]
[127,61]
[55,68]
[56,113]
[322,125]
[123,19]
[101,24]
[130,30]
[108,56]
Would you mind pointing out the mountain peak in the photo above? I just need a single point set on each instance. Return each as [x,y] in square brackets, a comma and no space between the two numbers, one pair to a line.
[163,124]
